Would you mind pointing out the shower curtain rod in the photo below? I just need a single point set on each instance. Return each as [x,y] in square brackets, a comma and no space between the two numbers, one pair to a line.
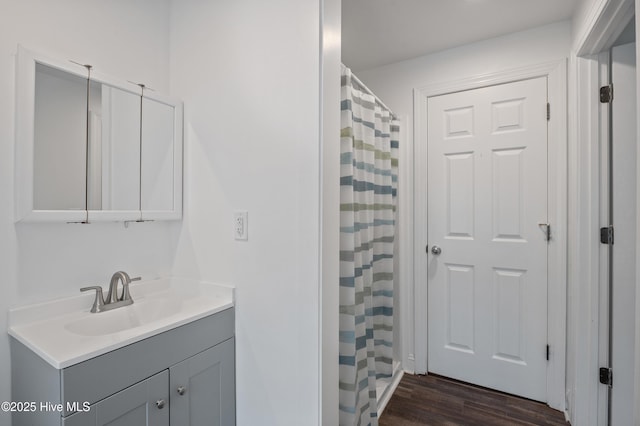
[365,88]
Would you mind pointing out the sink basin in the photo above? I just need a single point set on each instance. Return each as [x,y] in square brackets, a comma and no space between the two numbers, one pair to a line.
[127,317]
[64,332]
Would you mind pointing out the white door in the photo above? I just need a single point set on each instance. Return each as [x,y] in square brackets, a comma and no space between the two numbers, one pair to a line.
[623,152]
[487,195]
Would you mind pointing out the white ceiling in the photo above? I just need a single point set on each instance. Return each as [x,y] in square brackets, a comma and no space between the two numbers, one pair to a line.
[380,32]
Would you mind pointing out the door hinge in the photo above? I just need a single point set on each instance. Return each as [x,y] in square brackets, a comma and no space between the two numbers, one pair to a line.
[606,94]
[547,230]
[606,235]
[548,350]
[606,376]
[548,111]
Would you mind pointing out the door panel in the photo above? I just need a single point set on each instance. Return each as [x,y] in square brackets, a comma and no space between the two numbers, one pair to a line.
[509,288]
[460,195]
[487,195]
[460,284]
[508,208]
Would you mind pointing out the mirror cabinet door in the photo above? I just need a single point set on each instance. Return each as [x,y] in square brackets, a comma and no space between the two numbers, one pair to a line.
[161,171]
[157,162]
[59,140]
[114,166]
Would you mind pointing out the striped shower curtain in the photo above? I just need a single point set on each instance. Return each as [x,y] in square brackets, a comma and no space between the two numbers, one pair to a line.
[368,185]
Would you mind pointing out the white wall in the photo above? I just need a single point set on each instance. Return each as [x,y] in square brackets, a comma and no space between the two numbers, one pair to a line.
[249,76]
[126,39]
[394,84]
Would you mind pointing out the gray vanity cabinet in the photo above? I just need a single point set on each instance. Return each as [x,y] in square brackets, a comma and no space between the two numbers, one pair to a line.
[181,377]
[202,388]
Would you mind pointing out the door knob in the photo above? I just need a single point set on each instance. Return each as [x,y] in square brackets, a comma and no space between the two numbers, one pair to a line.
[160,404]
[436,250]
[181,390]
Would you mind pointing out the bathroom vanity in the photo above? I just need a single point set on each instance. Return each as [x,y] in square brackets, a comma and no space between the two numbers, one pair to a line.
[167,359]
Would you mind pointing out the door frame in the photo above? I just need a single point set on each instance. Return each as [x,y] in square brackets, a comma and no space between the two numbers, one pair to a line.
[588,398]
[556,73]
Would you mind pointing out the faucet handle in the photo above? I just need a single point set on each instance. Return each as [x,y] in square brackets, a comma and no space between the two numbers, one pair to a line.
[125,289]
[98,303]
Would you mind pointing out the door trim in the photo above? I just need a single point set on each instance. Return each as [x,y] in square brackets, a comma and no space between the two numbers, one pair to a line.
[587,399]
[556,73]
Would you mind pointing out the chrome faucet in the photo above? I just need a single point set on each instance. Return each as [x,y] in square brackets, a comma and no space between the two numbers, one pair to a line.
[112,296]
[113,301]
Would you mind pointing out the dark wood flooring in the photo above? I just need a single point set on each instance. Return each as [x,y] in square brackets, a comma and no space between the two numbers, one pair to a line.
[436,400]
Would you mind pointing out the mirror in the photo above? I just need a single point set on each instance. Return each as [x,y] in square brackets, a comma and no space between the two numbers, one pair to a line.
[114,145]
[92,148]
[158,130]
[59,140]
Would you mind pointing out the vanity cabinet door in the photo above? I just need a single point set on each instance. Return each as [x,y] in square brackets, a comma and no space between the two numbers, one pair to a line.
[203,388]
[145,403]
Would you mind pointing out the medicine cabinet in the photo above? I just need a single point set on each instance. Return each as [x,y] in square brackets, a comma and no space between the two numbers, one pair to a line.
[90,147]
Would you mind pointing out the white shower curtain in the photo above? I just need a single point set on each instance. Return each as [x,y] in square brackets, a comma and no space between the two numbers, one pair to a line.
[368,186]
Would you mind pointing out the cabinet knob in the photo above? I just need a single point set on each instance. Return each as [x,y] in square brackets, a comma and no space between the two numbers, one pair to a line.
[160,404]
[181,390]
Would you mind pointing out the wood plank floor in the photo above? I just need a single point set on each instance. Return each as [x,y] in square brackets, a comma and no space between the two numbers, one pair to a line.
[436,400]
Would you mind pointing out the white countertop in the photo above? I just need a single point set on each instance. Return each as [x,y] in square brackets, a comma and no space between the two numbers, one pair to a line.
[63,332]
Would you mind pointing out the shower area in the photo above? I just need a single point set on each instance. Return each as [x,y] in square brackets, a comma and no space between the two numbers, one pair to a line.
[369,142]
